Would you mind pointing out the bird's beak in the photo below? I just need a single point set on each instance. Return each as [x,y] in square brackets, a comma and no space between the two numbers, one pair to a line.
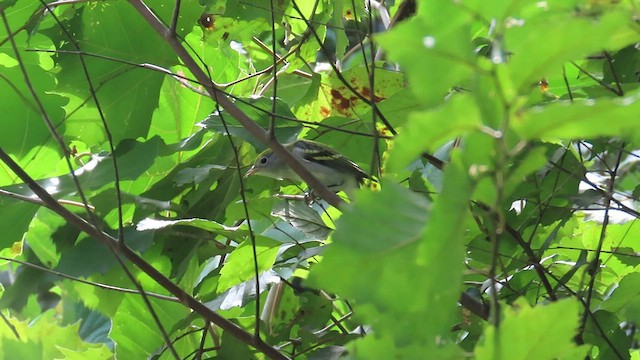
[251,171]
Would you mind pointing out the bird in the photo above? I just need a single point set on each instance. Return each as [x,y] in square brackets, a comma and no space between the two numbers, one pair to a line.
[334,170]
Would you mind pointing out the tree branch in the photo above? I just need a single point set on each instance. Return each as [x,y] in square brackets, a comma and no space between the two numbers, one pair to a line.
[125,251]
[217,95]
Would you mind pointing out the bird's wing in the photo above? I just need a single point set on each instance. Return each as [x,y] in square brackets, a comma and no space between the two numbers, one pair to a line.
[324,155]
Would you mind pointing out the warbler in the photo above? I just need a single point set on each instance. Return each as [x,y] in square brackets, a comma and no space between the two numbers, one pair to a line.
[331,168]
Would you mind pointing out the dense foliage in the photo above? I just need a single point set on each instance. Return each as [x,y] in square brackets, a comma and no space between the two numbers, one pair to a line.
[130,231]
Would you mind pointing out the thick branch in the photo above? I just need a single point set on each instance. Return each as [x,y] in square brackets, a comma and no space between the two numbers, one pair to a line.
[217,95]
[156,275]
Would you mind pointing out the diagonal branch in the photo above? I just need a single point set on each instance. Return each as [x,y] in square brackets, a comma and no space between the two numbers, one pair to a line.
[533,259]
[125,251]
[217,95]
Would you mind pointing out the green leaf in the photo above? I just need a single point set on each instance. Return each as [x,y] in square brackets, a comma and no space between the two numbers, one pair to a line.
[603,330]
[397,107]
[16,349]
[232,348]
[384,268]
[408,211]
[134,158]
[334,98]
[539,51]
[433,49]
[428,130]
[215,52]
[440,254]
[258,109]
[45,335]
[216,228]
[581,119]
[625,299]
[543,332]
[239,265]
[94,327]
[5,4]
[95,352]
[341,39]
[623,66]
[26,136]
[399,259]
[303,218]
[87,257]
[15,218]
[382,347]
[134,329]
[126,96]
[293,89]
[40,236]
[179,109]
[243,293]
[343,102]
[342,135]
[18,13]
[533,160]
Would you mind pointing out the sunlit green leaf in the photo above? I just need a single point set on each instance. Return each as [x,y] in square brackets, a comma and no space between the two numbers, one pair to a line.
[152,224]
[134,329]
[40,237]
[240,267]
[536,54]
[20,349]
[544,332]
[582,119]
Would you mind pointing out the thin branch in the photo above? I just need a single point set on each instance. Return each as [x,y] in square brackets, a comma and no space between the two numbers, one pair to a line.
[87,282]
[203,337]
[10,326]
[105,126]
[614,73]
[67,157]
[274,78]
[339,75]
[596,322]
[185,81]
[533,259]
[37,201]
[371,72]
[566,83]
[256,274]
[600,82]
[175,16]
[596,261]
[34,18]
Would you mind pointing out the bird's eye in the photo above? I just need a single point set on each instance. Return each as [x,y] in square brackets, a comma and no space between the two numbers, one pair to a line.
[263,160]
